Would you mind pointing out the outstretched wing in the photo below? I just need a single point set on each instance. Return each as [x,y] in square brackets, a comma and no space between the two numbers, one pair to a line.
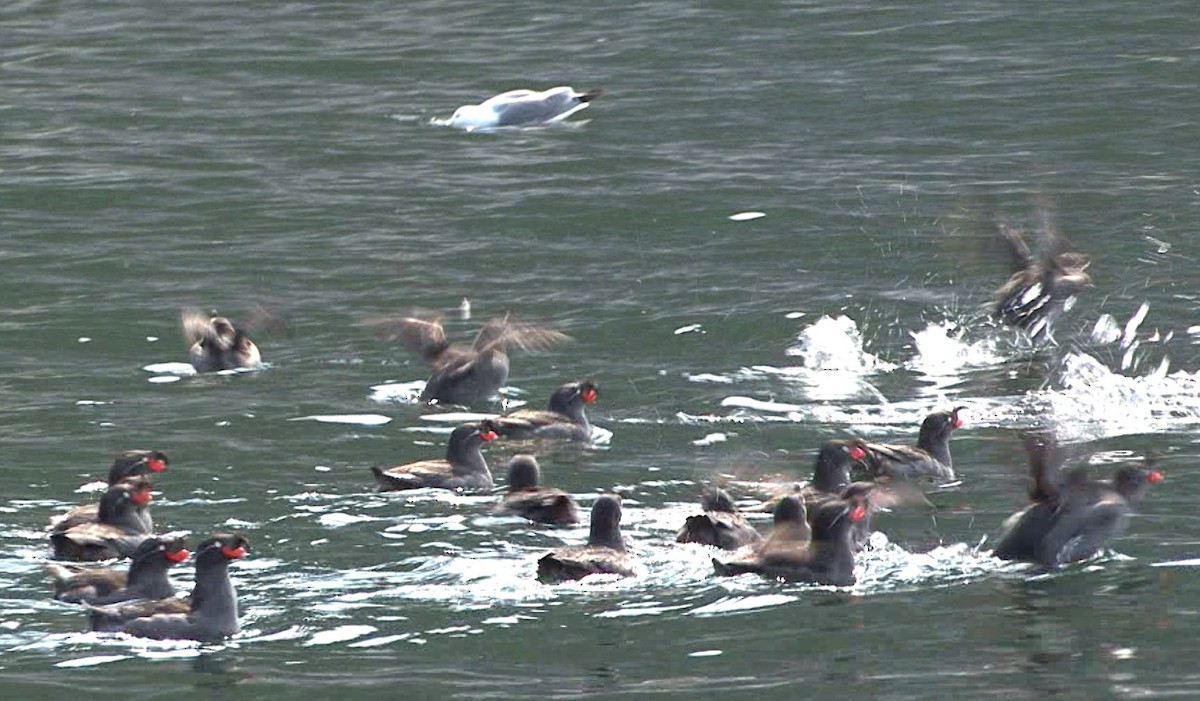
[1046,478]
[267,320]
[1020,256]
[196,325]
[425,337]
[505,333]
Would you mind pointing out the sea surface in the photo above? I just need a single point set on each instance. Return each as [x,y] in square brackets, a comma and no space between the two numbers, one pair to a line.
[776,226]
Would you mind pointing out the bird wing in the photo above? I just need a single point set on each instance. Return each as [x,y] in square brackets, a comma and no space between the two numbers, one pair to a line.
[1050,242]
[85,513]
[197,326]
[520,107]
[1020,256]
[505,333]
[527,419]
[1024,532]
[453,367]
[1046,478]
[419,470]
[903,461]
[491,335]
[264,319]
[594,559]
[1085,529]
[505,98]
[425,337]
[540,504]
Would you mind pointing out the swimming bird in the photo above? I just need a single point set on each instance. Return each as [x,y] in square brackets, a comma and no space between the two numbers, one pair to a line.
[146,579]
[464,466]
[120,528]
[462,375]
[214,343]
[212,609]
[831,480]
[1043,285]
[720,524]
[928,459]
[1072,515]
[564,417]
[522,108]
[129,463]
[789,554]
[529,499]
[831,473]
[604,552]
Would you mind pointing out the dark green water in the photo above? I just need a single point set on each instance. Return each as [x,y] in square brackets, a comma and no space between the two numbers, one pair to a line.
[154,156]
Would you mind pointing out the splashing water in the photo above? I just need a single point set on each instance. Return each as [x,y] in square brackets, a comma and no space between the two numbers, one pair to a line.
[398,392]
[836,345]
[834,362]
[1095,402]
[941,350]
[1106,330]
[1131,326]
[888,567]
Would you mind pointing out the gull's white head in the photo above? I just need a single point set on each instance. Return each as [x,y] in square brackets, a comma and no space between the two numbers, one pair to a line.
[472,117]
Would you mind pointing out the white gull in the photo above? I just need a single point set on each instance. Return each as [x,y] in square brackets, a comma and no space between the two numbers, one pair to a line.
[522,108]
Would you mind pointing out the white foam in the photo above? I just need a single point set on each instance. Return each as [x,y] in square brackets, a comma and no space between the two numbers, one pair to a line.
[400,392]
[886,566]
[747,216]
[97,486]
[705,377]
[601,436]
[711,439]
[457,417]
[1191,562]
[381,640]
[338,519]
[760,405]
[356,419]
[742,603]
[339,635]
[92,661]
[180,369]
